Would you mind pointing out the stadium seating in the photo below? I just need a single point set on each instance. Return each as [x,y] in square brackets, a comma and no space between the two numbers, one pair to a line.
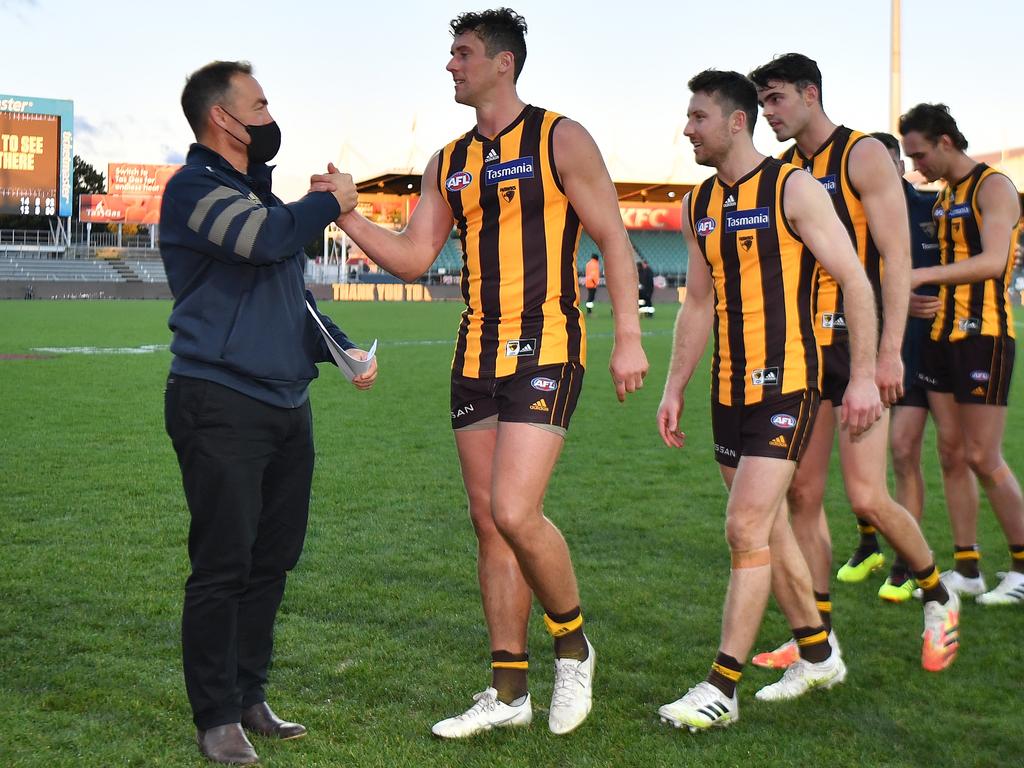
[664,251]
[43,270]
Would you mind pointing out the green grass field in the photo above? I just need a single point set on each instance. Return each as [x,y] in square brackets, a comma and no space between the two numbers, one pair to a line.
[381,632]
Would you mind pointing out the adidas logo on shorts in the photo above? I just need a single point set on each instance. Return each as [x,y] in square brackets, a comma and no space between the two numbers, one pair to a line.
[540,405]
[978,391]
[779,442]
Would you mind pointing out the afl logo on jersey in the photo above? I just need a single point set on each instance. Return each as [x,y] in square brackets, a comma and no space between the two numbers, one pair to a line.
[458,181]
[706,226]
[783,421]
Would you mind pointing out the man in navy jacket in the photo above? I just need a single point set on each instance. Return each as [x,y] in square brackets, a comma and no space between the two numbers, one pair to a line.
[237,402]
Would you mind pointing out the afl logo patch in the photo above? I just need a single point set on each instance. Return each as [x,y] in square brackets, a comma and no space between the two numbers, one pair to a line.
[979,375]
[458,181]
[706,226]
[543,384]
[783,421]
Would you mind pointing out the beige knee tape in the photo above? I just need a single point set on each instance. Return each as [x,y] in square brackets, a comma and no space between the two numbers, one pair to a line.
[751,558]
[997,476]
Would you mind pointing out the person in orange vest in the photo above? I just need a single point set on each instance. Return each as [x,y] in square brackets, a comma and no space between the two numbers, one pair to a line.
[591,280]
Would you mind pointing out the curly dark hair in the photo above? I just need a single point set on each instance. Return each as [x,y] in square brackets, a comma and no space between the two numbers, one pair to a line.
[793,68]
[933,121]
[730,89]
[501,29]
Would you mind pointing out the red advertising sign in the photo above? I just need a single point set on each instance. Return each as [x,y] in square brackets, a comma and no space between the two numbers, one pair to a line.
[656,216]
[102,209]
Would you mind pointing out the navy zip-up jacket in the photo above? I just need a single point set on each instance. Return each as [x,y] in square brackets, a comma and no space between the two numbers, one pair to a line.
[234,261]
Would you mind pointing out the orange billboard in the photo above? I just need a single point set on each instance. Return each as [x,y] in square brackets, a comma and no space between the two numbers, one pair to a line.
[138,179]
[119,209]
[134,194]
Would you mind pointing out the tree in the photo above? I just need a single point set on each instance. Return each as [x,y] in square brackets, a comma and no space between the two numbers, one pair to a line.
[88,181]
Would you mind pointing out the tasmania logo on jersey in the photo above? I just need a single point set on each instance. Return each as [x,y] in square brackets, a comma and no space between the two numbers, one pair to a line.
[765,377]
[961,211]
[458,181]
[520,168]
[830,183]
[752,218]
[706,226]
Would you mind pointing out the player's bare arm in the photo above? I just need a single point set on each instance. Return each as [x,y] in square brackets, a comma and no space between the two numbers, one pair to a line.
[813,217]
[1000,209]
[592,195]
[409,253]
[690,338]
[881,193]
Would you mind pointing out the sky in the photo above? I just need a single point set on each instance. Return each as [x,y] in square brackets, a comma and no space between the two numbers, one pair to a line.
[364,84]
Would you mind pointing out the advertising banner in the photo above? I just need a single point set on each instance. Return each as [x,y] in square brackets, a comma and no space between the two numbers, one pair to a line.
[653,216]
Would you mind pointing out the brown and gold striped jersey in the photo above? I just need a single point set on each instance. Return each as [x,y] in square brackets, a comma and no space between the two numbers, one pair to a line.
[763,279]
[830,166]
[519,237]
[970,309]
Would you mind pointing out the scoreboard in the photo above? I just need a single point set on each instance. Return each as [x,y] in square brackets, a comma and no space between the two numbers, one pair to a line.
[36,156]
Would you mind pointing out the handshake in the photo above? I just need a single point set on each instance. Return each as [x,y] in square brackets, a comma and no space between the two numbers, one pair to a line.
[338,184]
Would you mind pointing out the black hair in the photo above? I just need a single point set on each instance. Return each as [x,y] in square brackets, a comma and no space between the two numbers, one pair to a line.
[889,141]
[933,121]
[794,68]
[501,29]
[207,86]
[730,89]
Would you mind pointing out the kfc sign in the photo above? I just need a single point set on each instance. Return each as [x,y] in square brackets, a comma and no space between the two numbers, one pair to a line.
[657,216]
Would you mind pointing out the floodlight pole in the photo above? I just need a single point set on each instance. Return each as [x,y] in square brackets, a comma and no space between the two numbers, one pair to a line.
[894,70]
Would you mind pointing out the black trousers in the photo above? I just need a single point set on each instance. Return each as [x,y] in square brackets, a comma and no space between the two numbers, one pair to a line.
[247,468]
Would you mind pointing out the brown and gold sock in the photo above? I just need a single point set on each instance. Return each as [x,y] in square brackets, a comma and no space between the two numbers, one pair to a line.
[1017,558]
[725,674]
[868,540]
[813,644]
[965,561]
[567,629]
[931,586]
[508,675]
[824,602]
[899,572]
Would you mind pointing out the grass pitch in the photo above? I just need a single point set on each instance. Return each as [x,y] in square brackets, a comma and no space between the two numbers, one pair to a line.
[381,632]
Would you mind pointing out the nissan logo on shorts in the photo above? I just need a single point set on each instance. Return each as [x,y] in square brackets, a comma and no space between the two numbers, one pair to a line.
[783,421]
[458,181]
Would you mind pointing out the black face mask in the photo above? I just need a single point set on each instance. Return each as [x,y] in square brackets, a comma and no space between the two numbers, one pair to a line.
[264,140]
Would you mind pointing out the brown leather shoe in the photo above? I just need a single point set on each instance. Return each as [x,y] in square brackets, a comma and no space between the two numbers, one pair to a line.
[261,719]
[227,744]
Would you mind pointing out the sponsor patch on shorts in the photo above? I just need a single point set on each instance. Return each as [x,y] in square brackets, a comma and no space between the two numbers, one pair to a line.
[544,384]
[783,421]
